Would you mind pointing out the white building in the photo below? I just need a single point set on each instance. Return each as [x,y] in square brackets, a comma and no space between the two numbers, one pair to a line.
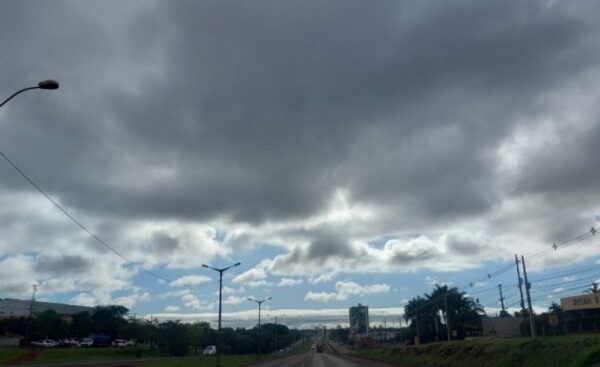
[20,308]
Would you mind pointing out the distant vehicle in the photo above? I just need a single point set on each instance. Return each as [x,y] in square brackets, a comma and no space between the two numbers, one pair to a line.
[119,343]
[69,343]
[44,343]
[87,342]
[101,341]
[319,348]
[210,350]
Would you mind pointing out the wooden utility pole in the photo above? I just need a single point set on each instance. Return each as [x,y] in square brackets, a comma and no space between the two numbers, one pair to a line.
[502,301]
[527,287]
[520,287]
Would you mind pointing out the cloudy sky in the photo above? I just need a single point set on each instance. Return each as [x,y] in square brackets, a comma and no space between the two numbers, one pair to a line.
[342,151]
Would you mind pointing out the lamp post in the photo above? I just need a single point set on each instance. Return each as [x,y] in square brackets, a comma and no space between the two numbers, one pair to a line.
[276,331]
[259,304]
[46,84]
[220,271]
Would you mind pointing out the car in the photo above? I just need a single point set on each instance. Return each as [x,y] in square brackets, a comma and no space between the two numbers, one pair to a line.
[319,348]
[119,343]
[68,343]
[87,342]
[210,350]
[44,343]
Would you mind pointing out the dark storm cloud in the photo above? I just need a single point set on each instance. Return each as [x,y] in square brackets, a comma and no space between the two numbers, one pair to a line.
[463,246]
[564,167]
[55,265]
[164,244]
[259,111]
[324,249]
[411,259]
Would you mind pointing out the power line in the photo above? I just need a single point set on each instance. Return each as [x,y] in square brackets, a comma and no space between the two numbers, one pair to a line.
[79,224]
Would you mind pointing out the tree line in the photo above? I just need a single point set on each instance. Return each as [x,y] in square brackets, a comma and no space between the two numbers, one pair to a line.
[446,313]
[175,337]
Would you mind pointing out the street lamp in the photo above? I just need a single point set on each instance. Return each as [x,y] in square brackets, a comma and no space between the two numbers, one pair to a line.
[276,329]
[259,304]
[221,271]
[46,84]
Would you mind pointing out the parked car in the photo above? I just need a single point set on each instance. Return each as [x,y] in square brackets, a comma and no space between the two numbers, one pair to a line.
[87,342]
[123,343]
[68,343]
[210,350]
[44,343]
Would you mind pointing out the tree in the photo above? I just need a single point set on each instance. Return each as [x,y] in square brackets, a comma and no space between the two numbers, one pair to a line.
[201,335]
[174,337]
[81,324]
[429,315]
[48,324]
[108,320]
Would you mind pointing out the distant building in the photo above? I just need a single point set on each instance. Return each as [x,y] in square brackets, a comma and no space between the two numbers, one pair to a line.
[359,320]
[501,326]
[20,308]
[581,302]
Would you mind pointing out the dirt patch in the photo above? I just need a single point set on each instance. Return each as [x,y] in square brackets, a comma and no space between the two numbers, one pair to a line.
[29,356]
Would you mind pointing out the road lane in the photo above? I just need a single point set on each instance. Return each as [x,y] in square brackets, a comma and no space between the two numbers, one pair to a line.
[312,359]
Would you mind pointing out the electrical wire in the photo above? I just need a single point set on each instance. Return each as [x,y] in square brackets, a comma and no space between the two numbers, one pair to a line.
[79,224]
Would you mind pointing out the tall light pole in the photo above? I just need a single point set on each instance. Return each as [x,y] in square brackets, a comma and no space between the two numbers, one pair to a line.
[46,84]
[276,331]
[259,304]
[220,271]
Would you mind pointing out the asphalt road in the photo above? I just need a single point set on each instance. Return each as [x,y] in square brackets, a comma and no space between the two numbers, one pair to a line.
[312,359]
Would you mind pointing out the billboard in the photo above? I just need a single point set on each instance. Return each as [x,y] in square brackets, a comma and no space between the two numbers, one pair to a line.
[583,302]
[359,320]
[501,326]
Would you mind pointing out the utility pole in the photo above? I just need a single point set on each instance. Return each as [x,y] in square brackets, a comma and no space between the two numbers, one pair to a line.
[447,315]
[502,300]
[520,287]
[385,329]
[418,332]
[527,287]
[30,313]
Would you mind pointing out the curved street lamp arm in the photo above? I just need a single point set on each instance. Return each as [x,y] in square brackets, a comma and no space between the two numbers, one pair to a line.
[18,92]
[44,84]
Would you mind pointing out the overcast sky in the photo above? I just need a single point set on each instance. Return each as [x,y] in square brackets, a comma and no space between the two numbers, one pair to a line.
[342,151]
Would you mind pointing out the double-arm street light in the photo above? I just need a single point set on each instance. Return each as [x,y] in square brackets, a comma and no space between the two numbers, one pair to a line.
[259,304]
[220,271]
[46,84]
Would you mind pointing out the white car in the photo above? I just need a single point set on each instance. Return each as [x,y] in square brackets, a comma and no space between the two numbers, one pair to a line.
[87,342]
[210,350]
[44,343]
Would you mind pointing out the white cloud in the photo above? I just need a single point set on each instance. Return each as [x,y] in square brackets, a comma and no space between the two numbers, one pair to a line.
[234,300]
[347,289]
[288,282]
[320,296]
[191,280]
[172,308]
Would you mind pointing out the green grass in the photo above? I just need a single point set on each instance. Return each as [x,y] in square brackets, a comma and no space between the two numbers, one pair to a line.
[51,355]
[566,351]
[59,355]
[8,353]
[56,355]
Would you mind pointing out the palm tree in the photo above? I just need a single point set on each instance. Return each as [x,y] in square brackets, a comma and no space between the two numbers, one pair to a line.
[461,312]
